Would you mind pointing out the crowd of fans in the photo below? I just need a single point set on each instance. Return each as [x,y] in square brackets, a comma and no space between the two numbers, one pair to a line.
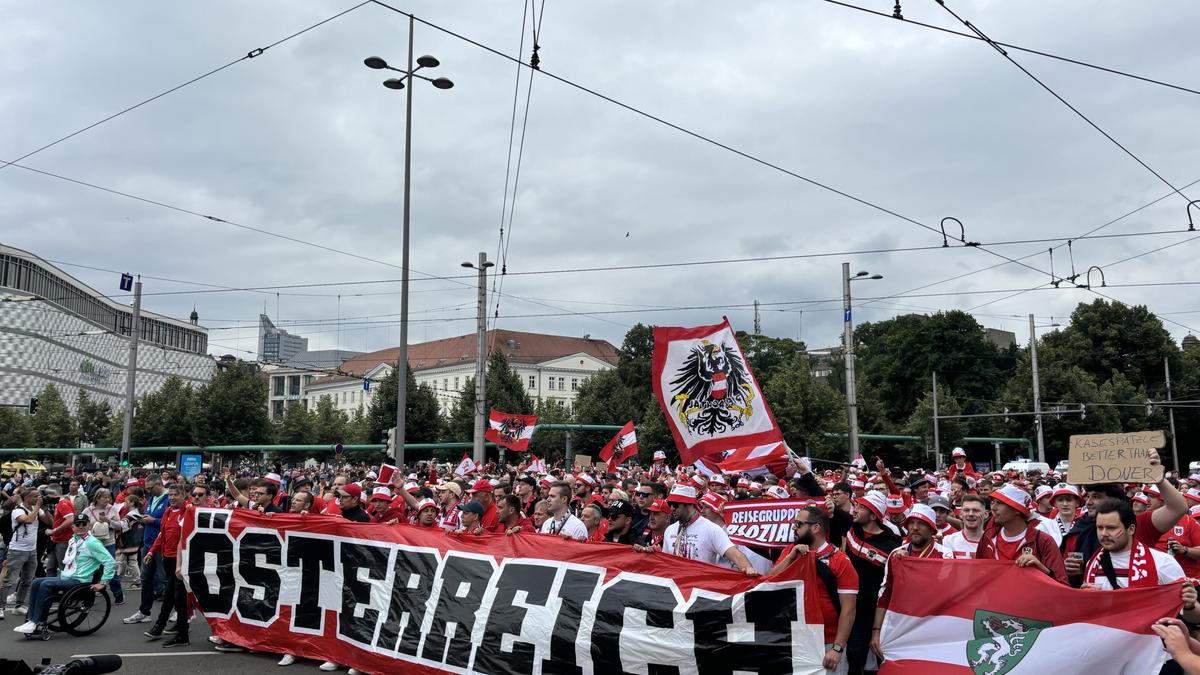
[122,532]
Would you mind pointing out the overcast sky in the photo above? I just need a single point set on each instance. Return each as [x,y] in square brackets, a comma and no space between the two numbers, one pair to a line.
[304,141]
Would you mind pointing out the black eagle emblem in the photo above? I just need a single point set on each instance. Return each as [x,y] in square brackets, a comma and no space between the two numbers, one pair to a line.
[711,391]
[511,428]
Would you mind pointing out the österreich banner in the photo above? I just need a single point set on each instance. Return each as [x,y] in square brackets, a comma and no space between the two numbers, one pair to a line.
[990,616]
[387,599]
[766,523]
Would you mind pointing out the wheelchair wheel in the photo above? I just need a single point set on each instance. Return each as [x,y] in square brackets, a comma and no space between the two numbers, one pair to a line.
[82,611]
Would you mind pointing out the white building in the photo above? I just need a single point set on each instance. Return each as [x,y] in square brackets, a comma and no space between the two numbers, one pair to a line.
[551,367]
[54,329]
[288,381]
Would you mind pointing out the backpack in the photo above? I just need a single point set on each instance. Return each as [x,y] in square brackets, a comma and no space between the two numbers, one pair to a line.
[6,528]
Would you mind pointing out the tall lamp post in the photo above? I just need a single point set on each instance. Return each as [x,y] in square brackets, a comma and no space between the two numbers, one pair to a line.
[481,358]
[377,63]
[848,349]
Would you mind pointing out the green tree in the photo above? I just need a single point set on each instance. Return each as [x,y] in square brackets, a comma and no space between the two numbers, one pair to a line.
[330,425]
[163,417]
[549,445]
[422,415]
[920,423]
[356,428]
[805,408]
[295,426]
[116,427]
[503,392]
[654,434]
[14,428]
[232,408]
[53,426]
[768,355]
[1106,337]
[93,419]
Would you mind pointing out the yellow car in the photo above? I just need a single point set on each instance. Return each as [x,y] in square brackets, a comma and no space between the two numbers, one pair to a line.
[29,465]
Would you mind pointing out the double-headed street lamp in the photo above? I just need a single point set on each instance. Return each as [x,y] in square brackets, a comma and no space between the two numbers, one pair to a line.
[399,83]
[848,349]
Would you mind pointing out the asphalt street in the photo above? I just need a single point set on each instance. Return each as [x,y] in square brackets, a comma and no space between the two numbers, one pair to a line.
[139,654]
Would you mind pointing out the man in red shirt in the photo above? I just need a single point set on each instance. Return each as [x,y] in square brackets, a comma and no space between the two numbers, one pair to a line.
[840,592]
[512,518]
[1013,537]
[60,531]
[174,592]
[961,467]
[1182,540]
[481,491]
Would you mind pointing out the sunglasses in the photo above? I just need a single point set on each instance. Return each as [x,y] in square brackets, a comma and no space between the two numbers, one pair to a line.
[199,494]
[643,494]
[799,523]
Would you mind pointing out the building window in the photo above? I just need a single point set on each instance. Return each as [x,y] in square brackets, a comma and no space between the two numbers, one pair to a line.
[574,384]
[456,384]
[278,386]
[294,385]
[561,403]
[276,408]
[445,384]
[562,383]
[549,382]
[343,397]
[533,381]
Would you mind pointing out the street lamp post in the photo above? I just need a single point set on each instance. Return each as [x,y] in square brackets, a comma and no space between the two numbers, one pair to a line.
[848,350]
[481,358]
[377,63]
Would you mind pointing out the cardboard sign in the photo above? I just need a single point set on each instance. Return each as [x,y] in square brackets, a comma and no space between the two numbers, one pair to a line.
[1114,458]
[583,461]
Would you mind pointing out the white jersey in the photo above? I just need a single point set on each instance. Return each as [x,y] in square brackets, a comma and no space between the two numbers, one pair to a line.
[568,524]
[1168,569]
[702,540]
[1049,527]
[960,546]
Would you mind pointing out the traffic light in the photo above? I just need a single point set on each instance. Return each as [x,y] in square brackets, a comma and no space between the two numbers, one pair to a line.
[1082,411]
[33,405]
[391,441]
[1149,407]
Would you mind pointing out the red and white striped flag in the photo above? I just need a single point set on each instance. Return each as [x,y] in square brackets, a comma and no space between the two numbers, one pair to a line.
[621,447]
[536,465]
[510,430]
[990,616]
[753,457]
[466,466]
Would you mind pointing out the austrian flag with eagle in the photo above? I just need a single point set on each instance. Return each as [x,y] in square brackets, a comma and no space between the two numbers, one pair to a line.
[510,430]
[710,398]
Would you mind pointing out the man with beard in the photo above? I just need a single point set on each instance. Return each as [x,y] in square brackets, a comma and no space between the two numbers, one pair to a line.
[964,543]
[691,536]
[1014,537]
[869,542]
[620,524]
[838,602]
[921,525]
[512,518]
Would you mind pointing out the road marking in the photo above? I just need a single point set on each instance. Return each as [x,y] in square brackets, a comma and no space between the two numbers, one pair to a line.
[129,656]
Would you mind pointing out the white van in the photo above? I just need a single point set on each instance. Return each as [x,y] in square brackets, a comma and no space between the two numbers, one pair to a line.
[1026,465]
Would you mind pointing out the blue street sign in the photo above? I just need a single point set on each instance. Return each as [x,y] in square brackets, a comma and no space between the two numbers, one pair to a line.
[366,385]
[127,282]
[847,319]
[189,465]
[338,449]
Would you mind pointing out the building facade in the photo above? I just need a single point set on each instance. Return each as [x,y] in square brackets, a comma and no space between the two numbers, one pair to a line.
[276,345]
[54,329]
[551,368]
[288,381]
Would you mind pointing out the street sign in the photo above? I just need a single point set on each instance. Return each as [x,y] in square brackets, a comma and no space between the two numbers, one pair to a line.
[189,465]
[366,385]
[127,282]
[338,449]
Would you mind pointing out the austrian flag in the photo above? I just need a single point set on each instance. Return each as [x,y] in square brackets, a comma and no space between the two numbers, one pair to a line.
[621,447]
[753,457]
[466,466]
[709,396]
[510,430]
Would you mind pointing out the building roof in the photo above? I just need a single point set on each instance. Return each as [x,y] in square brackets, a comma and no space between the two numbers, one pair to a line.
[517,346]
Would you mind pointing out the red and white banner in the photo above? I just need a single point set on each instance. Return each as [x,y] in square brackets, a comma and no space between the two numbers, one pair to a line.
[754,457]
[709,396]
[621,447]
[466,466]
[511,431]
[536,465]
[405,599]
[386,473]
[990,616]
[766,523]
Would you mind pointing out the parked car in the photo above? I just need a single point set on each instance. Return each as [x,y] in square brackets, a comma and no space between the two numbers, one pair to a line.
[1026,465]
[1061,467]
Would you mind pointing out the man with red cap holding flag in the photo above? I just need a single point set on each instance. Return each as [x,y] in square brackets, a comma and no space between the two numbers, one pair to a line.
[1013,537]
[870,540]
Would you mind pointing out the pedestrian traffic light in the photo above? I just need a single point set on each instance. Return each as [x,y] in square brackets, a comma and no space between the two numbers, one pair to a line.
[124,462]
[391,441]
[33,405]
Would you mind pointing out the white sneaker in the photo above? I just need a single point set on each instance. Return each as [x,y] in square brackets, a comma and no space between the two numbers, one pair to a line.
[287,660]
[328,666]
[214,639]
[26,628]
[12,599]
[21,610]
[353,671]
[137,617]
[173,618]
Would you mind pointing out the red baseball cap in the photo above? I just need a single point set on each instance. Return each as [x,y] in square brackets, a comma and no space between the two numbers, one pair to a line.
[659,506]
[351,489]
[480,485]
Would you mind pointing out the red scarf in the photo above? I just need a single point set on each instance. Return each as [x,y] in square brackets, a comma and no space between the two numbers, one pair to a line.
[862,549]
[1142,569]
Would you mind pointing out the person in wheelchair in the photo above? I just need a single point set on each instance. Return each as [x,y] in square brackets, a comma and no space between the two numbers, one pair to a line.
[85,556]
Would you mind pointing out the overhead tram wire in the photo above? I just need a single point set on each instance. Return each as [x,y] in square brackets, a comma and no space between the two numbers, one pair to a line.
[1027,50]
[254,53]
[694,134]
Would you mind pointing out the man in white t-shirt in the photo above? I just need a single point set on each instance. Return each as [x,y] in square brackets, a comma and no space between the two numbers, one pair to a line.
[962,544]
[690,536]
[22,550]
[1129,562]
[561,522]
